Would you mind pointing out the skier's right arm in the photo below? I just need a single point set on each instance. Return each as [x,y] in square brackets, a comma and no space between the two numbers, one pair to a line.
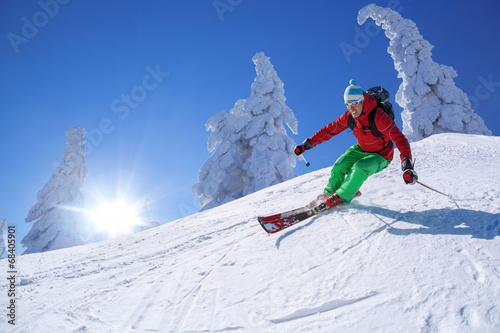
[330,130]
[324,134]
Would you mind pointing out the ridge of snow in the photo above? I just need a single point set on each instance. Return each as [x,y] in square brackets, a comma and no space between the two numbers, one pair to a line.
[398,258]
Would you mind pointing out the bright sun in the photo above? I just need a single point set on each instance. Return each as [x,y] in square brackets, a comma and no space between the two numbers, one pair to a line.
[115,217]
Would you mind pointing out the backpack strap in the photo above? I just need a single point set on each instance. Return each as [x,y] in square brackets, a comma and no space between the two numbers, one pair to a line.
[389,143]
[373,126]
[350,122]
[371,122]
[375,131]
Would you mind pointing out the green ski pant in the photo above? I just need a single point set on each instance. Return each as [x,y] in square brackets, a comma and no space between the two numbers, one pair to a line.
[351,170]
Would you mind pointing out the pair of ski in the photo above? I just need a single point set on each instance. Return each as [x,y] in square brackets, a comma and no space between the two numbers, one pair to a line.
[277,222]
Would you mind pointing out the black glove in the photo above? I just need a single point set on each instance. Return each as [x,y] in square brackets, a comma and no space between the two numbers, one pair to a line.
[409,175]
[306,145]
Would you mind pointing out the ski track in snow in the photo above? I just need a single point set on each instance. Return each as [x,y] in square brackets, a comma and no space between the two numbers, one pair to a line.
[398,258]
[328,306]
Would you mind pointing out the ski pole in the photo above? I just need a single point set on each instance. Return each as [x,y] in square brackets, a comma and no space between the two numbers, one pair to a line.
[307,163]
[447,195]
[300,152]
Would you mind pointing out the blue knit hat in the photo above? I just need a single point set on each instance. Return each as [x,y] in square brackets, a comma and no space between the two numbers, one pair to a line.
[353,93]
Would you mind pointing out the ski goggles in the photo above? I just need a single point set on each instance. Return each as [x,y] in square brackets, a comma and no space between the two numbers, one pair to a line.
[349,104]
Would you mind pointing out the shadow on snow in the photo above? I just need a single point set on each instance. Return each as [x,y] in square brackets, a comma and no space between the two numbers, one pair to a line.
[444,221]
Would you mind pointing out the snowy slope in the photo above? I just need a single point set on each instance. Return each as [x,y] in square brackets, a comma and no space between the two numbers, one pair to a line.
[398,259]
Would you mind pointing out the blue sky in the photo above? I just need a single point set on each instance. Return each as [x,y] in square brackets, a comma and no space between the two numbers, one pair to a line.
[185,61]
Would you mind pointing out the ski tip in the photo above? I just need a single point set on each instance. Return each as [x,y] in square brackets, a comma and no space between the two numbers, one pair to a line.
[262,225]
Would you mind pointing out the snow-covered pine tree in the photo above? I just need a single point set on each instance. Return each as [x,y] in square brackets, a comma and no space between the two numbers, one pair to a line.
[146,222]
[221,178]
[252,148]
[432,103]
[59,222]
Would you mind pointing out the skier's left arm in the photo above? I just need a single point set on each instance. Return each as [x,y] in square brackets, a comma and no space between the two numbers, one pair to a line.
[391,131]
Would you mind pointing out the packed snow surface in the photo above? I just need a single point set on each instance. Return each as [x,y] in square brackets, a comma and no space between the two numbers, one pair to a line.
[399,258]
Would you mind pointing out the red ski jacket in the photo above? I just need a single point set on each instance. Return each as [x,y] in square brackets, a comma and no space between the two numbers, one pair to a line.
[367,141]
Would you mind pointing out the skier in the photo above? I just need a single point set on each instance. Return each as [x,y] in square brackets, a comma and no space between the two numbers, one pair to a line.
[370,155]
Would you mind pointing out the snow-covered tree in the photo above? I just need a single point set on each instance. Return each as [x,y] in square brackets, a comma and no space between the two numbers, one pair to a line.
[59,222]
[252,147]
[432,103]
[146,222]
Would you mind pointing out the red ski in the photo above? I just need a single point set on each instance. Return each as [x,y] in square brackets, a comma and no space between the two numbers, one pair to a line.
[277,222]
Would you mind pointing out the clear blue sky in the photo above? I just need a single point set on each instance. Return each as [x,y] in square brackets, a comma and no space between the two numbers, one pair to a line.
[75,63]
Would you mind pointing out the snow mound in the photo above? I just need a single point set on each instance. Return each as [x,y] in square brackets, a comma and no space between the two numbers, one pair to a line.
[398,258]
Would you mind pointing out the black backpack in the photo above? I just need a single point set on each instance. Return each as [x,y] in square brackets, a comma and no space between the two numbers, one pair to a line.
[382,96]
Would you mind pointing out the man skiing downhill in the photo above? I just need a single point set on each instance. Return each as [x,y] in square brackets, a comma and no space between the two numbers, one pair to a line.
[371,154]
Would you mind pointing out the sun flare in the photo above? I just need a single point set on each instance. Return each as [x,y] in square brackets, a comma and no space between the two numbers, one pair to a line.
[116,217]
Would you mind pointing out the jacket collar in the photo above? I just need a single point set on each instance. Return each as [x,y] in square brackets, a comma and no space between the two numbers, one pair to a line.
[369,103]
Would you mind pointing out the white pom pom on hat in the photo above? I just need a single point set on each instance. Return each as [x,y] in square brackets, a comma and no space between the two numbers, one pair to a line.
[353,92]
